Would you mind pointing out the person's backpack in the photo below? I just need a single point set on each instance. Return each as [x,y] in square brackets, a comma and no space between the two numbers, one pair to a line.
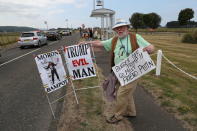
[134,46]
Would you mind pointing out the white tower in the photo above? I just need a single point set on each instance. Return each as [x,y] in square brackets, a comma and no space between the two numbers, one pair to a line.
[107,18]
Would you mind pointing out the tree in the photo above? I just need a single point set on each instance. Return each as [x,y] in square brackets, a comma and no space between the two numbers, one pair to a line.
[173,24]
[136,20]
[185,15]
[152,20]
[176,24]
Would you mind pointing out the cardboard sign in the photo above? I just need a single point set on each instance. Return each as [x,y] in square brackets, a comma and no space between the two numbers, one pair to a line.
[134,66]
[79,61]
[51,71]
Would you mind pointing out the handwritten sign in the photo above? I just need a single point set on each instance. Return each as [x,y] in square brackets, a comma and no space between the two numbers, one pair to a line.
[79,61]
[51,71]
[134,66]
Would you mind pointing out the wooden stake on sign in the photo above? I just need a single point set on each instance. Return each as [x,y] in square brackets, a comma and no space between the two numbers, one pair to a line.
[94,59]
[50,106]
[74,91]
[159,59]
[63,49]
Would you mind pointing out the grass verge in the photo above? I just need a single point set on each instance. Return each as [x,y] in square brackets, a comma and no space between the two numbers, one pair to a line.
[8,38]
[175,91]
[89,114]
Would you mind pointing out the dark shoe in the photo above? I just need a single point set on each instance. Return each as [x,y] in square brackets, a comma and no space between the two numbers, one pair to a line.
[130,116]
[113,120]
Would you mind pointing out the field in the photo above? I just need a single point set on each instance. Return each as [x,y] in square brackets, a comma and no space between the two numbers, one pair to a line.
[177,30]
[174,90]
[8,38]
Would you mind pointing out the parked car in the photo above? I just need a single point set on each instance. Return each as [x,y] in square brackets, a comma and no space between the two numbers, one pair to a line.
[70,31]
[32,38]
[65,32]
[52,35]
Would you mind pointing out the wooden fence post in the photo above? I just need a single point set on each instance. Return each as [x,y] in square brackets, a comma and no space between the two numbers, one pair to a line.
[159,59]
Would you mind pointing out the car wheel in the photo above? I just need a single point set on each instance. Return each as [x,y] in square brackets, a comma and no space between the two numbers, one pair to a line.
[39,43]
[21,47]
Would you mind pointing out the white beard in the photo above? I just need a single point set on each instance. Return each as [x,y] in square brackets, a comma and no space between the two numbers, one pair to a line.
[123,35]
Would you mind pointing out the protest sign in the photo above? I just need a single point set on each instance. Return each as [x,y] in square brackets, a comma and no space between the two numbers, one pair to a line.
[79,61]
[134,66]
[51,70]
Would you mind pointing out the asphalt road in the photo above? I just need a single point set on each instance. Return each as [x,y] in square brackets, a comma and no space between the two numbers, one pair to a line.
[23,103]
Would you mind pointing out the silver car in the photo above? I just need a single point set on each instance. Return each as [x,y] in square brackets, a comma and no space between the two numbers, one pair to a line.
[33,38]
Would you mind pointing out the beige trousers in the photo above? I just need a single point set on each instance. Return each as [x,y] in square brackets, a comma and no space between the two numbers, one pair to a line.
[124,105]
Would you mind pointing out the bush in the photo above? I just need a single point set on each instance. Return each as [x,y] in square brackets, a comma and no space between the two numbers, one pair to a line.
[194,35]
[184,109]
[187,38]
[190,37]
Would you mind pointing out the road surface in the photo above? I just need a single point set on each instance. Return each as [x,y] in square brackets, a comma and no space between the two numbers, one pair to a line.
[23,103]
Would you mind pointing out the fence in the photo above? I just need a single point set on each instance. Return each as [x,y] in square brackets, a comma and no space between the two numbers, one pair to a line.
[158,65]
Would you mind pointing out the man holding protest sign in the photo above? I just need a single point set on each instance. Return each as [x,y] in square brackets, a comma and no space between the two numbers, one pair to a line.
[121,46]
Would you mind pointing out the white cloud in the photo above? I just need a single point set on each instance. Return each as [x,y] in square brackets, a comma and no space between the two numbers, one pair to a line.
[42,3]
[58,11]
[34,7]
[80,3]
[34,12]
[19,10]
[39,3]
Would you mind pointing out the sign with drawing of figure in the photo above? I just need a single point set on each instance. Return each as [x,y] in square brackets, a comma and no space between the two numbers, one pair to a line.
[134,66]
[51,70]
[79,61]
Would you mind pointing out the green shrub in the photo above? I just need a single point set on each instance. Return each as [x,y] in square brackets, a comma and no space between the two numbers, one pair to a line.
[190,37]
[194,35]
[187,38]
[183,109]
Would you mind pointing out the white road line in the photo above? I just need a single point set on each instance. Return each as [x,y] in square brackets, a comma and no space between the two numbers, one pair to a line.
[19,57]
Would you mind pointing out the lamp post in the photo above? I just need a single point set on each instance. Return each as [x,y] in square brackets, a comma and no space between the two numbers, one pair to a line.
[45,22]
[100,3]
[67,22]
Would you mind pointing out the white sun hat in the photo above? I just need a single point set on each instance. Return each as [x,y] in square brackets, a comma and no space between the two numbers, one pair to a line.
[120,22]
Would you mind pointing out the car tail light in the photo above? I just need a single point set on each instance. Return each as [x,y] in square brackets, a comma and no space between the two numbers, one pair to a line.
[35,38]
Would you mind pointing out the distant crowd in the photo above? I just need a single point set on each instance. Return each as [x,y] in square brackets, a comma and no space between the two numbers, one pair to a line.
[89,33]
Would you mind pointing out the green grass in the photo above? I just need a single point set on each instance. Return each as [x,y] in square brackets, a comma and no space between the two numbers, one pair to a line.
[91,102]
[178,30]
[175,90]
[8,38]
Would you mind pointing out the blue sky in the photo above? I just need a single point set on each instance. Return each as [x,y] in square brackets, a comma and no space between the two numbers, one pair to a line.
[33,13]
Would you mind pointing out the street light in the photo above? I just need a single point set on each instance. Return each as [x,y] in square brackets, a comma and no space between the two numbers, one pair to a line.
[45,22]
[67,22]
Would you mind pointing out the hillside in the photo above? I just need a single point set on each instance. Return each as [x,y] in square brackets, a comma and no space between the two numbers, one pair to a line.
[15,29]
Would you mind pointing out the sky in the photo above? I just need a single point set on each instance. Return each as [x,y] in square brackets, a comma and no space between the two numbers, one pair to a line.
[74,13]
